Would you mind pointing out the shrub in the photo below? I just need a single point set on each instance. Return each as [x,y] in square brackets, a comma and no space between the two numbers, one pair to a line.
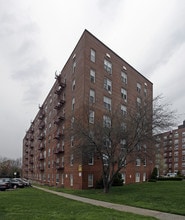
[154,173]
[118,181]
[170,178]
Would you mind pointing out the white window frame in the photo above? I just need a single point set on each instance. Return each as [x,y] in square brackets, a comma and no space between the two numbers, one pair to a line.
[73,85]
[71,160]
[73,104]
[108,85]
[124,94]
[108,66]
[138,87]
[92,75]
[91,117]
[124,110]
[92,96]
[93,55]
[137,177]
[90,180]
[138,162]
[71,179]
[107,103]
[124,77]
[106,121]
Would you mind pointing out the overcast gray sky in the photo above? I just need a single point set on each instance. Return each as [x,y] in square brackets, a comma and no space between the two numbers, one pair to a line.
[37,37]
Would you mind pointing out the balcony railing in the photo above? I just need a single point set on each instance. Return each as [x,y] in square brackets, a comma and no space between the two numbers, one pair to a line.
[41,157]
[41,167]
[41,125]
[59,119]
[60,165]
[59,135]
[60,88]
[59,150]
[41,137]
[59,104]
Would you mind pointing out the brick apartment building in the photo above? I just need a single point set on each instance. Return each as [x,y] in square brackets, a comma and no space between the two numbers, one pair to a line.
[171,147]
[93,71]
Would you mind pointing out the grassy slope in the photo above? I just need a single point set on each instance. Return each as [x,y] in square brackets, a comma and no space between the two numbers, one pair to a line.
[33,204]
[168,196]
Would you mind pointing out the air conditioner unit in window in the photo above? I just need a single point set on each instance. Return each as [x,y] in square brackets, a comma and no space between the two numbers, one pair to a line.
[108,55]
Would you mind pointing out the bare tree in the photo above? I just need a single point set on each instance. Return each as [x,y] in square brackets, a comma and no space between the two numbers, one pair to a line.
[10,166]
[119,138]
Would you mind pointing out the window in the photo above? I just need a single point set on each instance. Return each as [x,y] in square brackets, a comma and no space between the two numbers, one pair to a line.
[183,134]
[90,180]
[107,103]
[124,77]
[91,159]
[73,85]
[108,66]
[124,94]
[138,87]
[138,101]
[105,160]
[91,117]
[144,177]
[137,177]
[144,162]
[92,76]
[72,141]
[73,104]
[72,122]
[176,135]
[145,92]
[92,96]
[62,179]
[106,143]
[93,56]
[108,85]
[138,162]
[57,178]
[74,66]
[106,121]
[123,144]
[71,179]
[124,110]
[71,159]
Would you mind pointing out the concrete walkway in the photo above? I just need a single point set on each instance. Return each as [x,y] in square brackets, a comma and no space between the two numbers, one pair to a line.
[123,208]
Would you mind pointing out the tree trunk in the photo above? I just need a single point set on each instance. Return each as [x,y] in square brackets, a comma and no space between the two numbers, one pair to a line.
[106,188]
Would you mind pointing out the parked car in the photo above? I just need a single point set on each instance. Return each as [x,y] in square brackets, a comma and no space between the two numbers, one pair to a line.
[171,174]
[4,185]
[25,182]
[16,183]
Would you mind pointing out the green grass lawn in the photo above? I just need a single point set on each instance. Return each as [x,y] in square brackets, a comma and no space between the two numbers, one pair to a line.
[166,196]
[34,204]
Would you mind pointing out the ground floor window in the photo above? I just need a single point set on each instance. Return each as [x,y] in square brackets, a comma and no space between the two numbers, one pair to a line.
[123,176]
[57,178]
[137,177]
[144,177]
[90,180]
[71,179]
[62,179]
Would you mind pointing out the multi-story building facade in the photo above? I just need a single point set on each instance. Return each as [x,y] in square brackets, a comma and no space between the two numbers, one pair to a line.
[171,151]
[93,72]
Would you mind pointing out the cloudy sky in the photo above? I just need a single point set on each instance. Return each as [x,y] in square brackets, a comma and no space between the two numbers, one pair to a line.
[37,37]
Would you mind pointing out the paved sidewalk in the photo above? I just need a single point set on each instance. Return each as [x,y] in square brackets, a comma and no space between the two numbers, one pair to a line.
[124,208]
